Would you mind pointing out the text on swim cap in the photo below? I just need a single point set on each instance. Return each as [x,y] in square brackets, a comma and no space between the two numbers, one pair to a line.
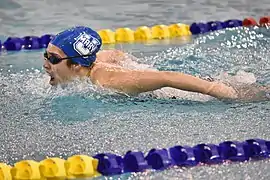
[86,44]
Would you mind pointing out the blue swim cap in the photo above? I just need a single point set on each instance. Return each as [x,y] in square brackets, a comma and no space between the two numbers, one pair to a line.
[79,41]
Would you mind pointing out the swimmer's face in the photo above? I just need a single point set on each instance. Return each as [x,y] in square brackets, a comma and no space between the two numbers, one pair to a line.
[60,72]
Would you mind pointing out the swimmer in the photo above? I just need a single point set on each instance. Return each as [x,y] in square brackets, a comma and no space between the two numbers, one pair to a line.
[75,53]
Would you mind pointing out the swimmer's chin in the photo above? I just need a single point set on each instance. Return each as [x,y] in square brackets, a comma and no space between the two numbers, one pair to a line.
[54,82]
[58,83]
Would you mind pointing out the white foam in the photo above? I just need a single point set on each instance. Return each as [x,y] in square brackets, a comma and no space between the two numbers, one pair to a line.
[241,77]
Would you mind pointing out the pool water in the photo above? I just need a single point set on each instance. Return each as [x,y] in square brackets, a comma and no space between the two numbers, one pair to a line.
[38,120]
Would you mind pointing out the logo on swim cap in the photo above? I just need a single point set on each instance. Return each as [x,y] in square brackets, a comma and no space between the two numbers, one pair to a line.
[86,44]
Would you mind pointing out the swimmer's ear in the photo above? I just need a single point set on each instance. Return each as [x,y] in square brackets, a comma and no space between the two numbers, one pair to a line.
[76,67]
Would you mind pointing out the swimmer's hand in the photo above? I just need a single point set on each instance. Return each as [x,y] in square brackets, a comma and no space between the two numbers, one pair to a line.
[252,92]
[222,91]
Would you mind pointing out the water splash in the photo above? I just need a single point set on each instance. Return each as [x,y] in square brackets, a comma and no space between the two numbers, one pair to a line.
[230,50]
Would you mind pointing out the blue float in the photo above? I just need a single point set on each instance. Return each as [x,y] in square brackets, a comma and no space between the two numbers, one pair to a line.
[183,156]
[158,159]
[134,162]
[257,148]
[199,28]
[109,164]
[233,150]
[233,23]
[31,42]
[13,44]
[216,25]
[207,153]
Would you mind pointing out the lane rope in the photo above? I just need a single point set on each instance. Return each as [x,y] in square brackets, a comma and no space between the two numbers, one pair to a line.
[108,164]
[140,34]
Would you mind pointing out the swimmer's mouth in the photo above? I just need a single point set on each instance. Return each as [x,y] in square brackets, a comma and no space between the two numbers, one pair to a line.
[52,81]
[52,78]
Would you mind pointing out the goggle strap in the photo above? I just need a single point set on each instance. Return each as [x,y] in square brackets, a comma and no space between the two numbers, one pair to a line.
[69,57]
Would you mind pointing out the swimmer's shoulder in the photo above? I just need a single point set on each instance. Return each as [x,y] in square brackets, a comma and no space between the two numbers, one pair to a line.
[100,71]
[110,56]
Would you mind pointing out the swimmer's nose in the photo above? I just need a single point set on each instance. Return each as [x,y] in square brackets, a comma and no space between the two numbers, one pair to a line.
[46,64]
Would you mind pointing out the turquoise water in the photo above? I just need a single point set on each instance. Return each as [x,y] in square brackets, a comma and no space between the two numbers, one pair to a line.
[38,121]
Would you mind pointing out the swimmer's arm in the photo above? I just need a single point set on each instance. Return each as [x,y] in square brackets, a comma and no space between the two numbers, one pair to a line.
[135,81]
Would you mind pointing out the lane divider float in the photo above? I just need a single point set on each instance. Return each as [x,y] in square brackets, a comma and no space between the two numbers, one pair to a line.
[108,164]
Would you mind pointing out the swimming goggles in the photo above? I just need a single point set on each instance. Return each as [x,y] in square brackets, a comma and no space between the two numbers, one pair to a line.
[55,60]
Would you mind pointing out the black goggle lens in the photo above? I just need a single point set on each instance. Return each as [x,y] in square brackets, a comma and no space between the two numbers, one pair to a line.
[53,59]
